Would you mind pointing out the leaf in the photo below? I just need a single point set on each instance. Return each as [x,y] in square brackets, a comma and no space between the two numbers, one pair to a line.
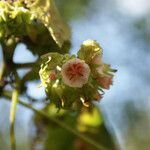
[58,139]
[52,137]
[38,32]
[47,12]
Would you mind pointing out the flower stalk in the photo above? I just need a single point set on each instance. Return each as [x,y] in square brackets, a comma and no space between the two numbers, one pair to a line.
[15,95]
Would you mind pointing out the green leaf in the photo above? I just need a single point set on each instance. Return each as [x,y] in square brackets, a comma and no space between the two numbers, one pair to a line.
[40,42]
[58,139]
[47,12]
[54,138]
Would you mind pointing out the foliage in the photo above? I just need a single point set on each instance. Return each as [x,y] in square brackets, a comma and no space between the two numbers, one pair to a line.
[72,82]
[89,122]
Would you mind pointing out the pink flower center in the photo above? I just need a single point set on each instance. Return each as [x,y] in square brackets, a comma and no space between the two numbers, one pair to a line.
[74,71]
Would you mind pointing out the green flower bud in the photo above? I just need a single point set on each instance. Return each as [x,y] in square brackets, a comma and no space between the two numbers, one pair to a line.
[50,63]
[22,15]
[3,15]
[89,49]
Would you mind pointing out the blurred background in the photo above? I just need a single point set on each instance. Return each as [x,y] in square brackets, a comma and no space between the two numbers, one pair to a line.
[122,27]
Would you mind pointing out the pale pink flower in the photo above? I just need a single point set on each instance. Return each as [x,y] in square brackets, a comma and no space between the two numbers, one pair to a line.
[97,60]
[75,73]
[105,81]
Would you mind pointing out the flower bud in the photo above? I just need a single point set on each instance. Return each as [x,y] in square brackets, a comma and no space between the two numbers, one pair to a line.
[89,49]
[105,81]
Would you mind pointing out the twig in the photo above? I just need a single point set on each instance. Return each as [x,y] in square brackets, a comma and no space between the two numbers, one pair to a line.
[24,65]
[2,70]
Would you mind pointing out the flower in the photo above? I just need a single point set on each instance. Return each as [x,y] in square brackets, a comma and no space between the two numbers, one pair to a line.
[105,81]
[75,73]
[97,60]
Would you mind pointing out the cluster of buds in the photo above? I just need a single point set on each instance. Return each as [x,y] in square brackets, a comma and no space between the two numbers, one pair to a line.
[74,81]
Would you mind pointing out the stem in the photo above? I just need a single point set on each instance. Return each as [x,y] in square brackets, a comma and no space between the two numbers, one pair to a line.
[2,71]
[24,65]
[88,140]
[15,95]
[3,68]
